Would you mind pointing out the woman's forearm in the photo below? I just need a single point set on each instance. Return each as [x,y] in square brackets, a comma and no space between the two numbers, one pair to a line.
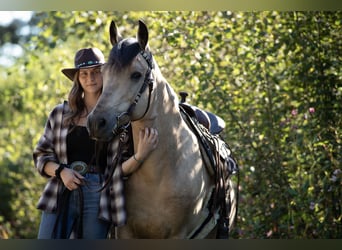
[50,168]
[131,164]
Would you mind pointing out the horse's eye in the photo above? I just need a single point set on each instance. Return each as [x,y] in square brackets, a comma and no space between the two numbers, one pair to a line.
[136,76]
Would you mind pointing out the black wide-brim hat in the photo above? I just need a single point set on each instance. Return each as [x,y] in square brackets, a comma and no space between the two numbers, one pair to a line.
[85,58]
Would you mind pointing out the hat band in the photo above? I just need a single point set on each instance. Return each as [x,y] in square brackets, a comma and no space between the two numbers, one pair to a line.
[88,63]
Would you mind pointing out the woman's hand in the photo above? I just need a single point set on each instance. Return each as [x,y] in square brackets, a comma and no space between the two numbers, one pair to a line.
[71,178]
[148,141]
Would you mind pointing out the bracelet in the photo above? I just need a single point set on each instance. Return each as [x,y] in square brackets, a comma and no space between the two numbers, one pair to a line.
[139,161]
[59,170]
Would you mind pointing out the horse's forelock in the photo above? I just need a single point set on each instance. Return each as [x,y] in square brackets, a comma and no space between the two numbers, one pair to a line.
[124,52]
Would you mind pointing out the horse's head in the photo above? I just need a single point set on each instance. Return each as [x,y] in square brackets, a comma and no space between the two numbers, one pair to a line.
[127,85]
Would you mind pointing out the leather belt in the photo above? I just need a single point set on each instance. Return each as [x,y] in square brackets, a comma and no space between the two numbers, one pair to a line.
[83,168]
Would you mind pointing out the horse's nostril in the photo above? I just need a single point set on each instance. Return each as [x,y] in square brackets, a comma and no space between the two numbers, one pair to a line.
[102,123]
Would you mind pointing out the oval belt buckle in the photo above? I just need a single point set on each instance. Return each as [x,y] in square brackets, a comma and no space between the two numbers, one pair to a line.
[80,167]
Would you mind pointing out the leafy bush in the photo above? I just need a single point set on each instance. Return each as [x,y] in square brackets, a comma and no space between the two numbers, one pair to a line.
[274,77]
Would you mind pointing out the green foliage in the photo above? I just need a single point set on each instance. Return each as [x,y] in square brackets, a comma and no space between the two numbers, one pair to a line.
[274,77]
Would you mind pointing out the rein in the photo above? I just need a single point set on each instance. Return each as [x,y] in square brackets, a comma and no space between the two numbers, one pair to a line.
[116,160]
[124,119]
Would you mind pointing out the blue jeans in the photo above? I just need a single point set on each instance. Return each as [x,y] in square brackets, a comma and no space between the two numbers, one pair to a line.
[92,227]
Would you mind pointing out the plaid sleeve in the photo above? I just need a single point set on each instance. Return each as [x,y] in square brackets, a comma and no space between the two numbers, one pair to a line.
[117,198]
[112,201]
[45,149]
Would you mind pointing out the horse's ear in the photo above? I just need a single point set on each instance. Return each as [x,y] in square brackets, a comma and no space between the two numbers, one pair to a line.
[114,33]
[142,35]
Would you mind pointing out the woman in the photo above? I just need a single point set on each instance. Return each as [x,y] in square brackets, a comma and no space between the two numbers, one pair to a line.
[73,206]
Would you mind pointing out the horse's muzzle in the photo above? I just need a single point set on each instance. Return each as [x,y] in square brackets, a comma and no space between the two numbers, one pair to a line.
[99,127]
[103,129]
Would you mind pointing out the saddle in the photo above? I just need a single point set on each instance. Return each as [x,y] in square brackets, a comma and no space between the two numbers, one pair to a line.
[212,122]
[218,159]
[207,129]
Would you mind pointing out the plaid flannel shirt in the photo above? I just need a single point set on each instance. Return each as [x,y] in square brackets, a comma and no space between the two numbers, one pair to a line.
[52,147]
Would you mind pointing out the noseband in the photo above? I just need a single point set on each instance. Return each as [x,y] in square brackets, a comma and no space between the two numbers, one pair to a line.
[124,119]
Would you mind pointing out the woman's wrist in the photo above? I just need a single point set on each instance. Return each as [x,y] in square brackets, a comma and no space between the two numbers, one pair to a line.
[137,159]
[129,166]
[59,170]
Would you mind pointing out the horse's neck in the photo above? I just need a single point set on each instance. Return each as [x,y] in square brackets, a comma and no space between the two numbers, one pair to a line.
[165,117]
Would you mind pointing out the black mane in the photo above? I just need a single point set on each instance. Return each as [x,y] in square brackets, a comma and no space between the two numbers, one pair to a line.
[124,52]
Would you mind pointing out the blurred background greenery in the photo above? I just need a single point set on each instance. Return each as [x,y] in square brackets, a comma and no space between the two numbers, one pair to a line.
[274,77]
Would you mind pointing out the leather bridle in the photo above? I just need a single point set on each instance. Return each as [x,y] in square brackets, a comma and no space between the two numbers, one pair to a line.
[123,120]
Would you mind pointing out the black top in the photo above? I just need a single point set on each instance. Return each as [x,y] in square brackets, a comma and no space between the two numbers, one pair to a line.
[80,147]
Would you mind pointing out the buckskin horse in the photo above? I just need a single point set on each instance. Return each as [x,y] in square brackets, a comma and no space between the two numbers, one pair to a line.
[168,196]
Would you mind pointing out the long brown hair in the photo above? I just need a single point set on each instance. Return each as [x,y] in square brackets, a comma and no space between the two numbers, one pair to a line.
[76,102]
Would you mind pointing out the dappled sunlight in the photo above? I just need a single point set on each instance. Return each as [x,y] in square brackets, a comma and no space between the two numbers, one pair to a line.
[272,76]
